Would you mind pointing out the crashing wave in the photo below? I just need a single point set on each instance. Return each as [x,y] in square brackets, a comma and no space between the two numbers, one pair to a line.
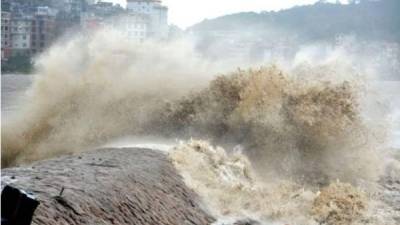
[233,192]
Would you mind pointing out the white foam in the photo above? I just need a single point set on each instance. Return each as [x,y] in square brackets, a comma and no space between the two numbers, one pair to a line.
[153,143]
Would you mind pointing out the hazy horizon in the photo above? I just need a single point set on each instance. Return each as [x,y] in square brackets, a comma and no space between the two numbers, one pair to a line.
[187,13]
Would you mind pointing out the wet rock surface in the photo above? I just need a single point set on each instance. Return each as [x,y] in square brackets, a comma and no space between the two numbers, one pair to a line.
[108,186]
[247,222]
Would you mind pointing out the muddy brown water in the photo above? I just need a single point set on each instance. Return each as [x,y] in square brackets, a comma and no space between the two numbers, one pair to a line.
[130,185]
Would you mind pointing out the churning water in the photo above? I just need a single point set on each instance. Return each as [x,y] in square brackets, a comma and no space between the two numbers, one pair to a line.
[303,144]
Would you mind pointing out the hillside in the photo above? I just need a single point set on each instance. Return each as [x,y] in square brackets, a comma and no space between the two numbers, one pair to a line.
[367,19]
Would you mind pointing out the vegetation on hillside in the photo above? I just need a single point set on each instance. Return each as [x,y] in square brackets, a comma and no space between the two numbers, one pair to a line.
[368,19]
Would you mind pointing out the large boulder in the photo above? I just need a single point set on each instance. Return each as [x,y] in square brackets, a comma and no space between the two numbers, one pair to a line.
[108,186]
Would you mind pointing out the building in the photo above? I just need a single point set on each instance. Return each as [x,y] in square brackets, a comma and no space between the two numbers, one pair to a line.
[91,2]
[90,21]
[5,35]
[27,31]
[141,20]
[156,13]
[98,14]
[29,27]
[135,26]
[42,29]
[72,8]
[68,14]
[21,26]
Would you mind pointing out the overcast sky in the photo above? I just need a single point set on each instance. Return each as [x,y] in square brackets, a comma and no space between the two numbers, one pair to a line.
[185,13]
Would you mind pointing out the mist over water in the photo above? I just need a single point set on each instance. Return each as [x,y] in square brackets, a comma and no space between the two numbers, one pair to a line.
[100,87]
[233,191]
[13,87]
[301,139]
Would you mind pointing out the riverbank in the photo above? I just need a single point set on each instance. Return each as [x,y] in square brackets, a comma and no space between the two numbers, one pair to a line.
[17,64]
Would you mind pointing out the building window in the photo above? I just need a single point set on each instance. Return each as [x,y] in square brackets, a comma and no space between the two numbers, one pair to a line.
[6,28]
[24,37]
[24,45]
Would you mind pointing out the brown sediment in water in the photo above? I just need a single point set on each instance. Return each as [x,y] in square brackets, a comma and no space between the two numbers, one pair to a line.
[291,126]
[231,189]
[339,204]
[304,129]
[298,129]
[300,123]
[81,99]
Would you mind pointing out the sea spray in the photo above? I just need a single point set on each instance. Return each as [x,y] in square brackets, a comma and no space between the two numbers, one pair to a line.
[307,128]
[233,191]
[303,128]
[94,88]
[300,128]
[101,87]
[339,204]
[230,188]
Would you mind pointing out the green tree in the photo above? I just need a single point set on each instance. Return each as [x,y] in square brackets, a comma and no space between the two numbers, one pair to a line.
[17,64]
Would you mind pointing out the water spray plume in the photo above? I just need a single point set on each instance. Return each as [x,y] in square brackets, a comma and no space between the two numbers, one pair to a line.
[295,144]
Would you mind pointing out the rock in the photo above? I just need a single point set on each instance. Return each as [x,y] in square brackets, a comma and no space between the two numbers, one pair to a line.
[129,186]
[247,222]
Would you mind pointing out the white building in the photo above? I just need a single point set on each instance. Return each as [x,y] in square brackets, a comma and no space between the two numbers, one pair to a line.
[157,14]
[21,34]
[91,2]
[135,26]
[45,11]
[5,35]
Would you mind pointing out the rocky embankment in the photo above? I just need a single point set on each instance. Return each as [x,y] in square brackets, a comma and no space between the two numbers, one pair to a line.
[108,186]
